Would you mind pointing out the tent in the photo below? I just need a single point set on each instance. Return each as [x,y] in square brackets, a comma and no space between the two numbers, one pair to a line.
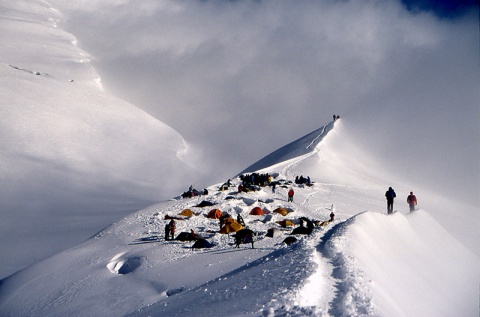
[302,230]
[266,211]
[186,236]
[205,203]
[281,210]
[201,243]
[273,232]
[186,213]
[214,214]
[257,211]
[286,223]
[289,240]
[230,225]
[324,223]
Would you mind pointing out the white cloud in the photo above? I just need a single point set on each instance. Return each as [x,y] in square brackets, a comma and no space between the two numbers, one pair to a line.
[257,74]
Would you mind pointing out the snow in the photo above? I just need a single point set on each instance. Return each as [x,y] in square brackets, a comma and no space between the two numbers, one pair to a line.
[73,157]
[365,263]
[66,141]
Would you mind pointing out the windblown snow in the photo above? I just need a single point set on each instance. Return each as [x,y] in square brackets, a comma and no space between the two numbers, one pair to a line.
[361,263]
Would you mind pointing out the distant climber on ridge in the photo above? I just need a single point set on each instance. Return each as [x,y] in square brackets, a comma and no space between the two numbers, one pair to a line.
[390,195]
[412,201]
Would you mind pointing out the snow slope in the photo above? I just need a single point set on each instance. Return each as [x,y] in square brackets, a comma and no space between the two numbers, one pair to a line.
[297,148]
[365,263]
[73,157]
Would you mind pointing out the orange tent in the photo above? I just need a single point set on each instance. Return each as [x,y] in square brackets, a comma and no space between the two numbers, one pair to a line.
[257,211]
[230,226]
[214,214]
[282,211]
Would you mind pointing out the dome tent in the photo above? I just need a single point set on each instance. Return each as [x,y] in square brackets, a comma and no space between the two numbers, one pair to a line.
[257,211]
[186,213]
[214,214]
[230,226]
[281,210]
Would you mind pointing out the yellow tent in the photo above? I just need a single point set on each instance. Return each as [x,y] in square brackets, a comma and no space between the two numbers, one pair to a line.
[186,213]
[282,211]
[286,223]
[230,226]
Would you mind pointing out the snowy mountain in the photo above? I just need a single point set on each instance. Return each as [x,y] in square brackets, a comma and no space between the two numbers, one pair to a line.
[365,262]
[76,160]
[73,157]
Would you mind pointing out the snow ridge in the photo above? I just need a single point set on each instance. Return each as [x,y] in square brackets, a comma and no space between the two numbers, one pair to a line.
[295,149]
[353,296]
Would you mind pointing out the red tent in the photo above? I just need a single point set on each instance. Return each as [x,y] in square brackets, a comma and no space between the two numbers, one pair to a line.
[257,211]
[214,214]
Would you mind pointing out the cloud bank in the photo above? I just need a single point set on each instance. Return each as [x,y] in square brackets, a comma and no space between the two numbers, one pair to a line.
[239,79]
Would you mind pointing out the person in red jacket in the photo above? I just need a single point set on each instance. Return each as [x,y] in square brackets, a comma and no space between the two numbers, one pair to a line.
[290,195]
[412,201]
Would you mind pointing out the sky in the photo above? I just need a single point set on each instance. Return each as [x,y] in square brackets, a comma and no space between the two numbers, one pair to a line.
[227,73]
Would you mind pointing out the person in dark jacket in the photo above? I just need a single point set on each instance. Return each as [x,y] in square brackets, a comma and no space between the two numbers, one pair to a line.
[172,228]
[390,195]
[167,231]
[412,201]
[240,220]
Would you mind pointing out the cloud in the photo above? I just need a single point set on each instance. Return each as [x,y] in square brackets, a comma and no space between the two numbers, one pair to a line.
[239,79]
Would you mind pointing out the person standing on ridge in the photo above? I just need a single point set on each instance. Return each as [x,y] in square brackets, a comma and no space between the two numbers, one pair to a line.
[390,195]
[290,195]
[412,201]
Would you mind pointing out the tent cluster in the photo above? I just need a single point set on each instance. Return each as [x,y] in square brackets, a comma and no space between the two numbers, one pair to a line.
[237,228]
